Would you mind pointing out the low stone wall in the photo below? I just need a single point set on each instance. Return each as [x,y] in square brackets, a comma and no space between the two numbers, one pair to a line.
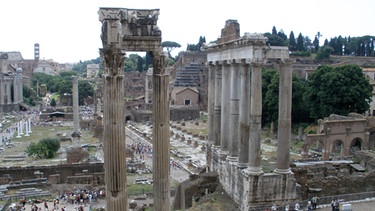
[63,170]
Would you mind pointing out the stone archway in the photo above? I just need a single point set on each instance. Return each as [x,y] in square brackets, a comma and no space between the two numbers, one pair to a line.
[337,148]
[356,145]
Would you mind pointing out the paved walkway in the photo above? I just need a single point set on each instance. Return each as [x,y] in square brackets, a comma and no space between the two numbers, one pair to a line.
[356,206]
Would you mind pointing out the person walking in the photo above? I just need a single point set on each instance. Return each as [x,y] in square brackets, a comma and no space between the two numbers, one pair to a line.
[287,207]
[314,202]
[297,207]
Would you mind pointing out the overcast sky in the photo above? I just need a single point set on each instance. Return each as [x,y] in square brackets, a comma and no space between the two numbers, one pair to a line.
[69,30]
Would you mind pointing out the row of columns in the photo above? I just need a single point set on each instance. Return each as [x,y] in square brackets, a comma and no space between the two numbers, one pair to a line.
[235,113]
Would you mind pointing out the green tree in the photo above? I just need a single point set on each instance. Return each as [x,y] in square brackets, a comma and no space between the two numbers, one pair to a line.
[292,42]
[271,100]
[45,148]
[170,46]
[300,43]
[140,63]
[316,44]
[85,90]
[274,31]
[131,62]
[324,52]
[274,40]
[338,90]
[53,102]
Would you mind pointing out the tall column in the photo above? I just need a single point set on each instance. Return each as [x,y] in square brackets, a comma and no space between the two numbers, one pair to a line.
[211,103]
[211,113]
[234,124]
[225,109]
[255,120]
[217,106]
[285,112]
[160,139]
[76,133]
[15,90]
[244,134]
[9,91]
[114,129]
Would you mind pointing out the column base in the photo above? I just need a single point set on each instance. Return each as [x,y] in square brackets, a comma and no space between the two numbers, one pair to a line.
[223,155]
[232,159]
[242,165]
[253,171]
[282,171]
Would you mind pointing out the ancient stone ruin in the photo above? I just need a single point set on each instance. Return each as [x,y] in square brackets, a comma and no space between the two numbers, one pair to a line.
[132,30]
[235,130]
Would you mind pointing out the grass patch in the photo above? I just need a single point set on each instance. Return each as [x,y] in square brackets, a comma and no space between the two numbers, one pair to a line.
[138,189]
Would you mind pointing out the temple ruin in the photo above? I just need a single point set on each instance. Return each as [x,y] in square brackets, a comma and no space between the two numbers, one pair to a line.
[133,30]
[11,93]
[235,111]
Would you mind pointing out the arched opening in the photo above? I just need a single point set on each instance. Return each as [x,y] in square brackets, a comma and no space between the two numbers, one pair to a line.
[128,118]
[356,145]
[337,149]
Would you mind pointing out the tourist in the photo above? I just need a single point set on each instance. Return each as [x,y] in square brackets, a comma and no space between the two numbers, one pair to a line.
[314,202]
[45,205]
[296,206]
[287,207]
[273,207]
[309,205]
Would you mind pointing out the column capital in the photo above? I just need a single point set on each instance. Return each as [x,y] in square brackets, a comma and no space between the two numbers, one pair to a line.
[285,62]
[257,63]
[113,61]
[159,61]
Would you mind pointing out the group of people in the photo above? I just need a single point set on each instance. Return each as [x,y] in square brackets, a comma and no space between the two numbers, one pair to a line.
[311,205]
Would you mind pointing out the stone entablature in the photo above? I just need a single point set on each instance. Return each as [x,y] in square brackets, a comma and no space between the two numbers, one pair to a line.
[132,30]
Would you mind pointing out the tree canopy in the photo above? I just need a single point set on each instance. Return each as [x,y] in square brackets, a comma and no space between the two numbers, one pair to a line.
[170,46]
[45,148]
[338,90]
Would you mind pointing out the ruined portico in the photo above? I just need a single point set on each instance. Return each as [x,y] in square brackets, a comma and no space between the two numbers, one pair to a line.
[133,30]
[235,111]
[11,94]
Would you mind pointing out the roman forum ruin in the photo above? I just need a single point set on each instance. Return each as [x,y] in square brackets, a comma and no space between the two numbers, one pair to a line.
[235,111]
[235,85]
[132,30]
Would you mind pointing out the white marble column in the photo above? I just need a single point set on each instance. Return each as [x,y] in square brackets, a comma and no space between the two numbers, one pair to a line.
[245,106]
[225,109]
[254,167]
[234,124]
[285,113]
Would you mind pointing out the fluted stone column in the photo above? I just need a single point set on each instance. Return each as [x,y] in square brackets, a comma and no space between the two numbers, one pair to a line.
[114,129]
[76,133]
[285,112]
[254,167]
[245,106]
[234,125]
[225,108]
[217,106]
[161,145]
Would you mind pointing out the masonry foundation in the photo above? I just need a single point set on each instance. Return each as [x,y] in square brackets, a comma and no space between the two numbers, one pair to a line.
[254,191]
